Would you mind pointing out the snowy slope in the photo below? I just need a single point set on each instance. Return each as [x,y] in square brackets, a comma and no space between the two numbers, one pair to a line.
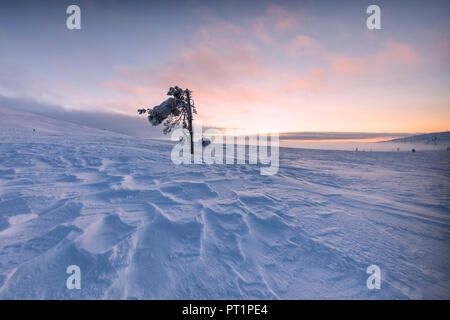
[438,138]
[14,123]
[141,227]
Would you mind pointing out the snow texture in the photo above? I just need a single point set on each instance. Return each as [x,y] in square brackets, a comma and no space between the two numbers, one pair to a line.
[140,227]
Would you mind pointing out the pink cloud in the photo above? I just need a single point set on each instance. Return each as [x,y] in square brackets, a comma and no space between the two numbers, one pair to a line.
[441,52]
[276,19]
[314,80]
[236,83]
[394,55]
[281,19]
[302,41]
[218,66]
[302,44]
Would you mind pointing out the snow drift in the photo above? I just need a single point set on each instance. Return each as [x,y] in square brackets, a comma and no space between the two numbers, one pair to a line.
[140,227]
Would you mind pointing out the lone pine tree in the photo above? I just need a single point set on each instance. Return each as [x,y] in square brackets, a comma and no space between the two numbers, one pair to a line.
[177,110]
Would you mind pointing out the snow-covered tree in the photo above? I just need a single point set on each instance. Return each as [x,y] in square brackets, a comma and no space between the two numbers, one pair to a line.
[174,111]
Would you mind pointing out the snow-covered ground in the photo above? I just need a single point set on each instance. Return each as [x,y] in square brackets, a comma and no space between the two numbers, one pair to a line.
[139,226]
[434,139]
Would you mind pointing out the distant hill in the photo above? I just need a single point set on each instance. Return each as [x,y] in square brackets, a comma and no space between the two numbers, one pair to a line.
[12,120]
[436,139]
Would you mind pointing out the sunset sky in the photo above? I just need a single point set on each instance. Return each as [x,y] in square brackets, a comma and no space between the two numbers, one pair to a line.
[256,65]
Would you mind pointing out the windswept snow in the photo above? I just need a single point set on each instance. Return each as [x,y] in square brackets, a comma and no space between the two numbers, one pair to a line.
[139,226]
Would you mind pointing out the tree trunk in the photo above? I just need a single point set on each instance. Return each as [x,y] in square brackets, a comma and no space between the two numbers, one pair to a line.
[188,97]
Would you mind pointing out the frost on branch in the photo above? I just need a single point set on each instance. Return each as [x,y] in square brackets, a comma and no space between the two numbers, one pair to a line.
[175,111]
[159,113]
[172,112]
